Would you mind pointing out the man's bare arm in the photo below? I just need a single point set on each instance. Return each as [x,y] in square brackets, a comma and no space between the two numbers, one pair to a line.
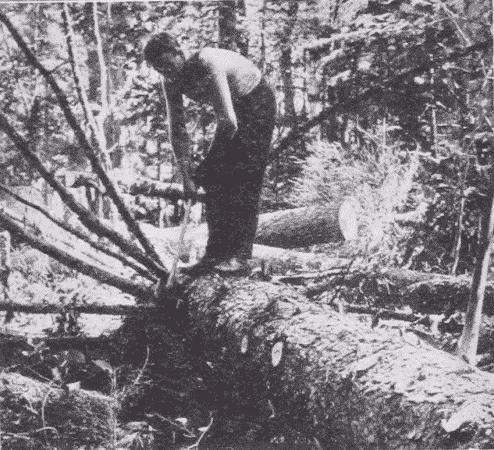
[221,96]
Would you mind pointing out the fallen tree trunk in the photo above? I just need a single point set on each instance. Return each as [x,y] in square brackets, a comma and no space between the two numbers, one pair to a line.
[428,293]
[333,377]
[37,415]
[288,229]
[302,227]
[292,228]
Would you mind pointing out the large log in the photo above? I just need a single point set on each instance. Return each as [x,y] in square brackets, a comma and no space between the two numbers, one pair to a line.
[333,377]
[428,293]
[288,229]
[302,227]
[37,415]
[292,228]
[280,260]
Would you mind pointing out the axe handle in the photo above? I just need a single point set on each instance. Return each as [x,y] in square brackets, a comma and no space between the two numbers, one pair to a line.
[174,271]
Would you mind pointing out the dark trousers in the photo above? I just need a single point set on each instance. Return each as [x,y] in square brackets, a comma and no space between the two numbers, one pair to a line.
[232,176]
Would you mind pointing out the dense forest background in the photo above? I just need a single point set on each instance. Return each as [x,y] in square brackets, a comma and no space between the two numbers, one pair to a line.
[387,102]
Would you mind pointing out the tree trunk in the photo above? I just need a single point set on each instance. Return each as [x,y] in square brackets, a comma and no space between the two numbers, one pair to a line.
[302,227]
[293,228]
[227,25]
[286,63]
[427,293]
[333,377]
[37,415]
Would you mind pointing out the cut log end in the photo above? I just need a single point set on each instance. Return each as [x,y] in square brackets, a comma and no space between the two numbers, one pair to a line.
[347,219]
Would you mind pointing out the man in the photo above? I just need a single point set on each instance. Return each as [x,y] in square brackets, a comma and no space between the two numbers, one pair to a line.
[233,170]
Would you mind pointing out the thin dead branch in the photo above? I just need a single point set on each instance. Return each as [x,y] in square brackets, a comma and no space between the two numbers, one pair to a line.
[81,235]
[93,308]
[63,102]
[76,73]
[88,219]
[139,290]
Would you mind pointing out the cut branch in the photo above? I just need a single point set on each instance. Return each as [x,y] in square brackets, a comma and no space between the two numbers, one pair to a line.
[93,308]
[154,188]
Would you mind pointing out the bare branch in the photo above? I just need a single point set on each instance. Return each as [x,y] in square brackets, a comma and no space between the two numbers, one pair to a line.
[139,290]
[102,117]
[81,235]
[132,225]
[92,222]
[93,308]
[83,100]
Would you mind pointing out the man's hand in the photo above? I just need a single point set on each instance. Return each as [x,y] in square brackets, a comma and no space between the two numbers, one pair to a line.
[227,128]
[190,190]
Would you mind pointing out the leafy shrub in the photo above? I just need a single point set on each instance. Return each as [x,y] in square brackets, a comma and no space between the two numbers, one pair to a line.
[381,184]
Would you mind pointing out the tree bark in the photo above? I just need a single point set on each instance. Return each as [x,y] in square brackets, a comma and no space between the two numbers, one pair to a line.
[333,377]
[285,38]
[230,37]
[93,308]
[37,415]
[302,227]
[427,293]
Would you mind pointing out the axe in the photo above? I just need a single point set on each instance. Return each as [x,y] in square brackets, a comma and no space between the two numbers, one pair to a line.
[174,271]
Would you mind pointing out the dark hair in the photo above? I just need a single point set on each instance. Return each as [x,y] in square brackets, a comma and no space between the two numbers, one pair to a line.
[161,43]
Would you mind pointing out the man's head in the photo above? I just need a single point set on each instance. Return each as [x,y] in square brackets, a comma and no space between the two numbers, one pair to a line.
[165,55]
